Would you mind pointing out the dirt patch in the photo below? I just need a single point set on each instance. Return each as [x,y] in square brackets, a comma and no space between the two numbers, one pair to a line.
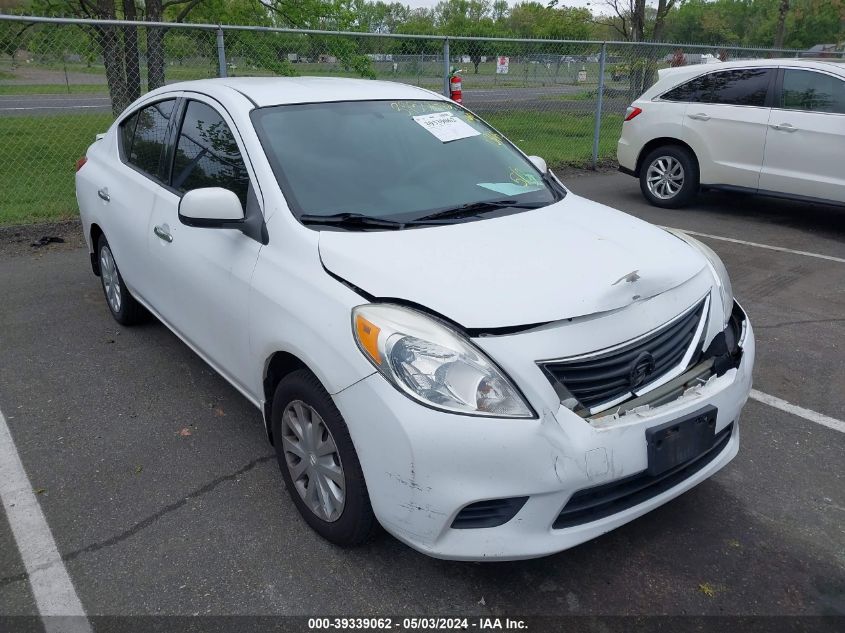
[18,240]
[604,166]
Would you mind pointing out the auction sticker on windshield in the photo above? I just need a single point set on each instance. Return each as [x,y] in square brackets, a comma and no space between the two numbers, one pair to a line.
[446,126]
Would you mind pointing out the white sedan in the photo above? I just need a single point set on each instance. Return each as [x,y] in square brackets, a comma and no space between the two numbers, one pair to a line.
[441,337]
[772,127]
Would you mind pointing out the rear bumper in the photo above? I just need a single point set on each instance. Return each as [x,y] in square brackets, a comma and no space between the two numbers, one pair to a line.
[626,154]
[423,466]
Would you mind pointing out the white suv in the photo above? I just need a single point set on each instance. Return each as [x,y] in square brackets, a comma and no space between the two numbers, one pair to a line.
[773,127]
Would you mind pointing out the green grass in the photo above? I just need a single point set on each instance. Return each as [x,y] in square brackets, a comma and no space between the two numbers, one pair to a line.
[37,175]
[559,137]
[53,89]
[4,75]
[37,182]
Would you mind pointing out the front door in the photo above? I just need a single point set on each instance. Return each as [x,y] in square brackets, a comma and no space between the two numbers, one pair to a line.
[202,275]
[805,151]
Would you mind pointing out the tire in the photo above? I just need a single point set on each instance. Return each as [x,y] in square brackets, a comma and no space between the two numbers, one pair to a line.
[298,398]
[121,303]
[676,188]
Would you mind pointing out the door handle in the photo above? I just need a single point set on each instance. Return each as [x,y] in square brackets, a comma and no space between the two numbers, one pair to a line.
[699,117]
[104,194]
[784,127]
[163,233]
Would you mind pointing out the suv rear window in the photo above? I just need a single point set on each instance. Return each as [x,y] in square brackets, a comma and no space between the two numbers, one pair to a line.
[743,86]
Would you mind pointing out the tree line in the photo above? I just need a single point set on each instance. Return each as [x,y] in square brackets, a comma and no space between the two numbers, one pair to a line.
[759,23]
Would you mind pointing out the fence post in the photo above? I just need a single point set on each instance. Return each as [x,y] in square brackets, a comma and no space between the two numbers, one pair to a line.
[446,67]
[221,54]
[597,126]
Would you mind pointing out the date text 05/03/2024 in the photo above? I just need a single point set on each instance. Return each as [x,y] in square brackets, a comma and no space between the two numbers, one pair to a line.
[414,624]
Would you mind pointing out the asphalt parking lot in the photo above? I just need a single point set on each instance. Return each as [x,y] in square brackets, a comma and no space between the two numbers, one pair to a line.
[164,497]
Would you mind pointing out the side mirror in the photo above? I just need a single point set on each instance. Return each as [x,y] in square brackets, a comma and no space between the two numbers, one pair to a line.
[211,207]
[539,163]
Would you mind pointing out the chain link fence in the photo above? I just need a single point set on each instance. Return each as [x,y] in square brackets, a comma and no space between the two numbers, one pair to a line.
[62,81]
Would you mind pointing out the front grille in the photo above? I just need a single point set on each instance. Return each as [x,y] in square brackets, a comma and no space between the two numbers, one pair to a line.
[592,504]
[606,377]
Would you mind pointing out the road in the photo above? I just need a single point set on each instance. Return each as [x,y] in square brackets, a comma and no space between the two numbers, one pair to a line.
[150,520]
[483,100]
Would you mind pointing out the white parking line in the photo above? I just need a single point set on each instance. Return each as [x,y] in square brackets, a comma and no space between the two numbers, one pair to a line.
[766,246]
[801,412]
[52,588]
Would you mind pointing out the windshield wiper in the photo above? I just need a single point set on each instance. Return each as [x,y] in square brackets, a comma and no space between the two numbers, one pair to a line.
[351,220]
[477,208]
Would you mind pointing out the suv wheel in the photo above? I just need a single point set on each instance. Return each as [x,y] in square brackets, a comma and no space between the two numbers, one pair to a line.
[318,461]
[669,176]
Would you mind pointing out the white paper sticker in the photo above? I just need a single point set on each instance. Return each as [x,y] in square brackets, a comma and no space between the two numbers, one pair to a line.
[446,126]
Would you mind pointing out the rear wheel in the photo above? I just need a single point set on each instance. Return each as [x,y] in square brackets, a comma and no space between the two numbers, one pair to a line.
[669,176]
[318,461]
[122,305]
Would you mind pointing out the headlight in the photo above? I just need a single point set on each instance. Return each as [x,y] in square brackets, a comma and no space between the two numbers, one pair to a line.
[433,364]
[720,273]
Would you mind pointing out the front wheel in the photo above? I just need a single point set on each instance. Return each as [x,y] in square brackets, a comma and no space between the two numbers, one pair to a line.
[318,461]
[669,176]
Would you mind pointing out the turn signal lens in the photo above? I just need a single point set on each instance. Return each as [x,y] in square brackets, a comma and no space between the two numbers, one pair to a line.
[368,337]
[632,112]
[81,162]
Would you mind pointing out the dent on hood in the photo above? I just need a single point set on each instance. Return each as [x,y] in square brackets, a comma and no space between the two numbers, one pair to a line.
[516,272]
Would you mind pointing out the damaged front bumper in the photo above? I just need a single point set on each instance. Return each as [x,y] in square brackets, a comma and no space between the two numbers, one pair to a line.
[435,478]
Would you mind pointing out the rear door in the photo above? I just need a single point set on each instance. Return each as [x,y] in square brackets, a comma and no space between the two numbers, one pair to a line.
[727,126]
[126,188]
[202,275]
[805,151]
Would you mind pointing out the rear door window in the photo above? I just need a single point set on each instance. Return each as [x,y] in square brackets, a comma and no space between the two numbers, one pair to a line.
[148,145]
[743,86]
[207,154]
[812,92]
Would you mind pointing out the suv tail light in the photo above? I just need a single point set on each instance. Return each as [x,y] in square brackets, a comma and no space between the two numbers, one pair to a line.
[632,112]
[81,162]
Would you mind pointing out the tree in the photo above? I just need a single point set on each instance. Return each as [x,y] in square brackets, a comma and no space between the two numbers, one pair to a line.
[780,30]
[633,20]
[119,46]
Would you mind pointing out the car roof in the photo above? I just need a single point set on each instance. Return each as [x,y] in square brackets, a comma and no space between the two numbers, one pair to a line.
[696,69]
[269,91]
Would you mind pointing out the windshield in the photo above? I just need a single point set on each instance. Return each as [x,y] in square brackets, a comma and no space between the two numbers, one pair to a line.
[399,160]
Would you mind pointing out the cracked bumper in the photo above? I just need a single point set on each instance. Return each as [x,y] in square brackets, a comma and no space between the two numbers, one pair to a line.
[423,466]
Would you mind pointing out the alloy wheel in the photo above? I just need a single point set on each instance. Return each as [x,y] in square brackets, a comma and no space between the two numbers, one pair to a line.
[665,177]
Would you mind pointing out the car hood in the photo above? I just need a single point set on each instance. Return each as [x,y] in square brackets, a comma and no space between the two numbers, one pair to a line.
[570,259]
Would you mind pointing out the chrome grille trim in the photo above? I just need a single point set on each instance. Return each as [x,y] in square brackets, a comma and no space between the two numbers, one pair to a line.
[612,377]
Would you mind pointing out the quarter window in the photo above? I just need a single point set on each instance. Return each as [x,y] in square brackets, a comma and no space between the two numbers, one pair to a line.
[207,154]
[127,131]
[813,92]
[694,91]
[148,144]
[745,86]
